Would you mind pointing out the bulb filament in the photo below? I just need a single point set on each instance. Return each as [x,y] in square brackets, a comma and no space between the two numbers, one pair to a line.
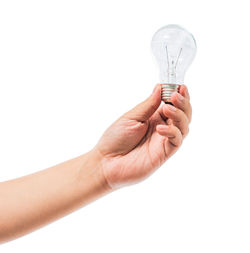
[172,67]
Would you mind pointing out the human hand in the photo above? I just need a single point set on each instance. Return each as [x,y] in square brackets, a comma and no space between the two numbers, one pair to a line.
[142,139]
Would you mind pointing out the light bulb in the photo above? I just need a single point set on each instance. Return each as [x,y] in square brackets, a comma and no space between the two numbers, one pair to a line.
[174,49]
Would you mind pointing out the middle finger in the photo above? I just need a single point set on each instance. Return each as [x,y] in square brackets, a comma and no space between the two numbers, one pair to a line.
[178,117]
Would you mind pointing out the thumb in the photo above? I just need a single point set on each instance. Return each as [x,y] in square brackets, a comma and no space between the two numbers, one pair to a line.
[145,109]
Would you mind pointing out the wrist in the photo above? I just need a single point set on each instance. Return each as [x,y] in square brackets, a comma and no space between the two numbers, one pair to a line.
[91,173]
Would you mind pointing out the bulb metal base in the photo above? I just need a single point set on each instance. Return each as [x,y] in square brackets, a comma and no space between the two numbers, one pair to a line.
[166,91]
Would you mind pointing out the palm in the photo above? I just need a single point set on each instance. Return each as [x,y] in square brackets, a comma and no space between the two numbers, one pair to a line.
[136,149]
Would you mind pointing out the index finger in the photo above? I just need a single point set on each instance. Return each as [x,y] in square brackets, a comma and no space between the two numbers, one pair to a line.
[182,102]
[183,90]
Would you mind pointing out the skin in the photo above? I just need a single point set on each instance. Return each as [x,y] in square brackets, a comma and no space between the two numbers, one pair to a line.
[131,149]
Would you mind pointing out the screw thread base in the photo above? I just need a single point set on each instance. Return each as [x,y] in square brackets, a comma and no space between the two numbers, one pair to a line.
[166,91]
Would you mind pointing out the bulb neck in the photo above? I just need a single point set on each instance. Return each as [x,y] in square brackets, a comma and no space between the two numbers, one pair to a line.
[166,91]
[172,75]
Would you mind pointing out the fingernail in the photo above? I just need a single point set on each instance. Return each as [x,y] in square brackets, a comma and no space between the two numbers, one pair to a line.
[171,108]
[180,97]
[163,127]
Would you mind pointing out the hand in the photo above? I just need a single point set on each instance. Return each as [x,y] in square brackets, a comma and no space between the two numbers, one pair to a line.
[142,139]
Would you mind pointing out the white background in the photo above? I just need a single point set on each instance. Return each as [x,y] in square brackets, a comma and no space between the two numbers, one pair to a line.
[70,68]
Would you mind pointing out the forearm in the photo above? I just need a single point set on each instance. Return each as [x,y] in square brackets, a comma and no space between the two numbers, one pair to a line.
[35,200]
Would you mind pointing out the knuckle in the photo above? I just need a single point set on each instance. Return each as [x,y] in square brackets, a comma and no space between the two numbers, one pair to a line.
[190,118]
[177,137]
[178,117]
[178,142]
[185,132]
[190,113]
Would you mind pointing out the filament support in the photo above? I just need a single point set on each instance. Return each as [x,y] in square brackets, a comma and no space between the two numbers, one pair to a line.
[166,91]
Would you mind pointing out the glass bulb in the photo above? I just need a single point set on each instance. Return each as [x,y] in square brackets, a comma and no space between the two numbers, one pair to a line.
[174,49]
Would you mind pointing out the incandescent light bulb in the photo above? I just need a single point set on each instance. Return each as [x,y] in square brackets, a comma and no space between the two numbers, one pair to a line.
[174,49]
